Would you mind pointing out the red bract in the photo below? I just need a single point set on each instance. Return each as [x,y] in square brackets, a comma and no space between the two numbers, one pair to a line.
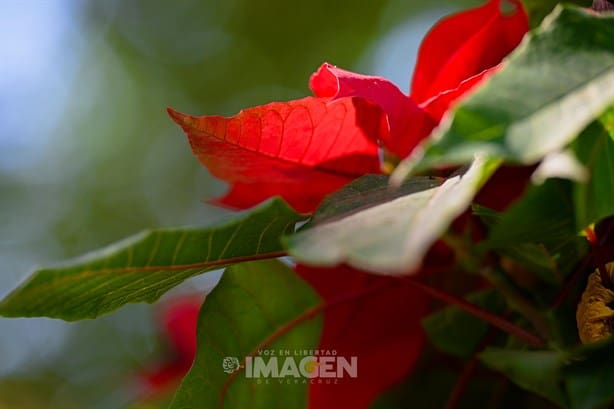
[300,150]
[304,149]
[382,329]
[454,57]
[178,319]
[407,123]
[375,318]
[464,45]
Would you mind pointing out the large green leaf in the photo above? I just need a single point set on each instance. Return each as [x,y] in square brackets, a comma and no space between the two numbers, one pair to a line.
[588,376]
[594,200]
[255,307]
[390,237]
[145,266]
[559,80]
[536,371]
[580,378]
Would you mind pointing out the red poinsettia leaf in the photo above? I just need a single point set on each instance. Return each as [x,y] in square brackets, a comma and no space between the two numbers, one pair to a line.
[407,123]
[334,82]
[313,142]
[504,187]
[465,44]
[381,329]
[178,319]
[303,192]
[437,106]
[160,381]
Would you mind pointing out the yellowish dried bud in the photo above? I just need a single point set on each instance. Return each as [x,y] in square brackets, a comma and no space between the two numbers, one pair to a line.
[594,316]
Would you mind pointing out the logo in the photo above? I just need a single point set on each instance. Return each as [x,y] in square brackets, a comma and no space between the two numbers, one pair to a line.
[231,364]
[312,366]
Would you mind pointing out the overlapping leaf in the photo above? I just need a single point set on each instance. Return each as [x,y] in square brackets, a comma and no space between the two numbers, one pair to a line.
[558,81]
[539,231]
[576,379]
[144,267]
[391,237]
[594,200]
[538,9]
[466,44]
[252,309]
[376,319]
[588,376]
[536,371]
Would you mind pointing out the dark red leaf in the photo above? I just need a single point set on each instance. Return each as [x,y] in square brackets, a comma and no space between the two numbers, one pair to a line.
[506,186]
[300,149]
[304,192]
[383,330]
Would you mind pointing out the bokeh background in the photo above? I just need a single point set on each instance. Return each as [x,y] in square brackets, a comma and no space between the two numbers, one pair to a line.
[89,156]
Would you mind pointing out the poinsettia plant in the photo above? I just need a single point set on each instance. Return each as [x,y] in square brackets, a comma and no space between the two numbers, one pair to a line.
[398,250]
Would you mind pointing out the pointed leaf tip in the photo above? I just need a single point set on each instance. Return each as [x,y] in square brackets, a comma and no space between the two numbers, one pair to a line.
[323,82]
[179,118]
[142,268]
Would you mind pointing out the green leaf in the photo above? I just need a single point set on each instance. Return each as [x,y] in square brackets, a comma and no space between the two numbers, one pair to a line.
[594,200]
[536,371]
[251,309]
[589,376]
[365,192]
[559,80]
[579,379]
[544,213]
[540,230]
[145,266]
[538,9]
[390,237]
[607,120]
[457,332]
[561,165]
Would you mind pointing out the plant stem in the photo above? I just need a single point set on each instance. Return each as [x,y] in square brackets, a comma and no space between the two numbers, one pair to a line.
[472,260]
[518,302]
[468,371]
[575,277]
[493,319]
[461,384]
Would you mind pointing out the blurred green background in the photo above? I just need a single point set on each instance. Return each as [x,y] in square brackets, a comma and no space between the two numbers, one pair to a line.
[89,155]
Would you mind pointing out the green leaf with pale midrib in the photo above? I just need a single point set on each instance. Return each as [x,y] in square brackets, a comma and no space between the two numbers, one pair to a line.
[145,266]
[366,192]
[391,237]
[251,305]
[559,80]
